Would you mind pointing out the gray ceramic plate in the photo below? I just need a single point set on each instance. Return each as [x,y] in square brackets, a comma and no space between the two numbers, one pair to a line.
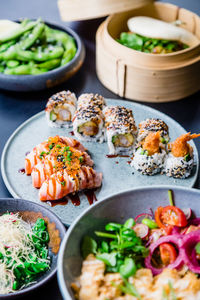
[117,173]
[117,208]
[50,78]
[30,211]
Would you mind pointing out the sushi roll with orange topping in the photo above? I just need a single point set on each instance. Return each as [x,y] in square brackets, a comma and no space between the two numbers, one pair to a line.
[121,130]
[149,157]
[60,109]
[180,160]
[88,121]
[153,125]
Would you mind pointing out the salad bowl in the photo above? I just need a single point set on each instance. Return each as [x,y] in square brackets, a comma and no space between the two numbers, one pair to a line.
[116,208]
[30,212]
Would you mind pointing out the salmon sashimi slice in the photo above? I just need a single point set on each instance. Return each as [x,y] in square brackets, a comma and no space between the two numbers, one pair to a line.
[44,148]
[64,182]
[58,160]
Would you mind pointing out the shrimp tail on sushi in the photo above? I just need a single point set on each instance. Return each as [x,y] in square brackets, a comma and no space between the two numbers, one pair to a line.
[180,159]
[60,109]
[149,157]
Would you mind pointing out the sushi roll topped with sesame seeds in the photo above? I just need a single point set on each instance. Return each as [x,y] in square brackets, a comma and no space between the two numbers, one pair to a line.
[180,159]
[153,125]
[149,157]
[91,99]
[121,130]
[88,121]
[60,109]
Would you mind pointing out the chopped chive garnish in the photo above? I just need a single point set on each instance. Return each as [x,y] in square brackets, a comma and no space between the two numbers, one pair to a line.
[51,146]
[66,148]
[42,154]
[187,157]
[105,234]
[81,159]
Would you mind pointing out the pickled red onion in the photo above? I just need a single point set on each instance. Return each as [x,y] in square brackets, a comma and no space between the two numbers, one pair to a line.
[175,239]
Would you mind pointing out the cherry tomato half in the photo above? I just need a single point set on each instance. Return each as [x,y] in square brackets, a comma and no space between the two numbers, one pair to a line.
[168,253]
[169,216]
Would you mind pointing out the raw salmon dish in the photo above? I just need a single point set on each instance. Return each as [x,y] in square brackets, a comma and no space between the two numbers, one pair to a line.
[60,166]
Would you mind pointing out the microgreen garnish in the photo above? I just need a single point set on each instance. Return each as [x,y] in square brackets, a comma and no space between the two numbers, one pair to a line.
[121,250]
[63,183]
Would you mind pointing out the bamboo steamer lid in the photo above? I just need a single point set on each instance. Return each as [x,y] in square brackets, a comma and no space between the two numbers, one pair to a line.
[142,76]
[75,10]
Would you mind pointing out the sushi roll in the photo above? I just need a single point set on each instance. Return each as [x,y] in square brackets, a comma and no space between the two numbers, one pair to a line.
[149,158]
[93,99]
[121,130]
[180,159]
[153,125]
[60,109]
[88,121]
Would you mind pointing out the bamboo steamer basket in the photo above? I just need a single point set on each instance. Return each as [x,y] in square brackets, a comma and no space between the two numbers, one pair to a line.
[142,76]
[75,10]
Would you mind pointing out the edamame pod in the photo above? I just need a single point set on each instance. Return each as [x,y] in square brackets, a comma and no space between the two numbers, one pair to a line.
[17,32]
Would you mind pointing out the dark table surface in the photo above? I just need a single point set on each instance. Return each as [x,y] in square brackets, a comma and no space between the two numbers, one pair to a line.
[15,108]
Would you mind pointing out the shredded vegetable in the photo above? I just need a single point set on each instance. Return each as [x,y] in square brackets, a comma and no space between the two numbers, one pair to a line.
[23,252]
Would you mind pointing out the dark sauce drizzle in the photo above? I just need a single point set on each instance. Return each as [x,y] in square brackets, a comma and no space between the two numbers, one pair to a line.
[21,171]
[62,201]
[115,155]
[75,199]
[90,196]
[71,132]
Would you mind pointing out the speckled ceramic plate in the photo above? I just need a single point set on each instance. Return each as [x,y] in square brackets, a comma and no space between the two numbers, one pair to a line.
[117,174]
